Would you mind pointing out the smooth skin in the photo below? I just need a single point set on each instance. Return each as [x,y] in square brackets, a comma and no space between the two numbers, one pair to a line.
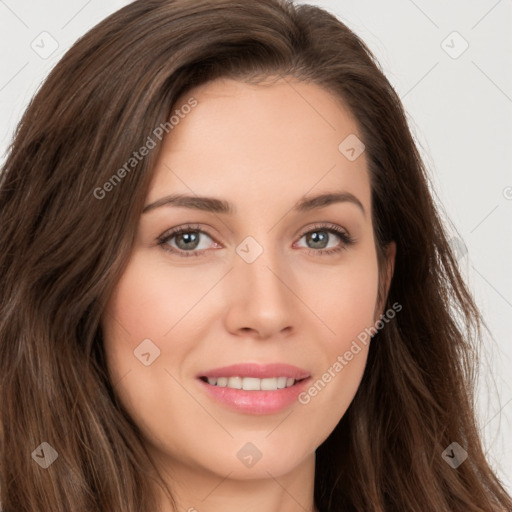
[262,148]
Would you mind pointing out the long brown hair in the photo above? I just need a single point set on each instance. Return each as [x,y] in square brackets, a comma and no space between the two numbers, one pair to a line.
[62,249]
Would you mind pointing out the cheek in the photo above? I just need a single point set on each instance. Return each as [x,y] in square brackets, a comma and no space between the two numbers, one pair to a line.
[347,314]
[147,302]
[345,301]
[161,303]
[150,299]
[137,311]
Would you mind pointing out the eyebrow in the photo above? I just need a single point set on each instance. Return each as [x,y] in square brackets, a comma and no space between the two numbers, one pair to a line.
[215,205]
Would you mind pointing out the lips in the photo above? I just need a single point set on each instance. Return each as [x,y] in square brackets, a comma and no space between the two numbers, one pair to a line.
[254,388]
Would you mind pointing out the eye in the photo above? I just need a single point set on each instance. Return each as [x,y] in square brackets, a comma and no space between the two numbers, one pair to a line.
[185,240]
[320,236]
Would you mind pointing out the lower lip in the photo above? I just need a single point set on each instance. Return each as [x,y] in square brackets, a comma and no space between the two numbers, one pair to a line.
[255,402]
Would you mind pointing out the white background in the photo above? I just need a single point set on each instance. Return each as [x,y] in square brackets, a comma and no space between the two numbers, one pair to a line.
[459,111]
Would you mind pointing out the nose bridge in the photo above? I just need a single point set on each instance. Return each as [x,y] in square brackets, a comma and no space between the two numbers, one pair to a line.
[259,263]
[262,299]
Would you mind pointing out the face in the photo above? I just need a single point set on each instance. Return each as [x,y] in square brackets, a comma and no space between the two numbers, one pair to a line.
[265,280]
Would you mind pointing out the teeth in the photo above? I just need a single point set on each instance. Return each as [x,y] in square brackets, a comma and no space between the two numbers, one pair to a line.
[269,384]
[222,382]
[252,383]
[235,382]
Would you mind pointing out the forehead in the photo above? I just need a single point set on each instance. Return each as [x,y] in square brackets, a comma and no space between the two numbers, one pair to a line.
[277,138]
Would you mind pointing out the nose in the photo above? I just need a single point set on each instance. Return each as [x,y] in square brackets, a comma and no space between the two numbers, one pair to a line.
[261,297]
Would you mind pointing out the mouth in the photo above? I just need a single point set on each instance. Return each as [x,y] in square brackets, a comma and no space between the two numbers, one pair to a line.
[252,388]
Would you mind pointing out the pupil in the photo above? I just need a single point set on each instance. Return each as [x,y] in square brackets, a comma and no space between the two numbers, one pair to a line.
[318,237]
[189,238]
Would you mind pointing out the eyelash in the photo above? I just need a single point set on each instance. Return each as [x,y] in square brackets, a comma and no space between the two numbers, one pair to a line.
[347,240]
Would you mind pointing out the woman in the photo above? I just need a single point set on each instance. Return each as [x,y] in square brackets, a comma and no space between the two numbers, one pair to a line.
[316,355]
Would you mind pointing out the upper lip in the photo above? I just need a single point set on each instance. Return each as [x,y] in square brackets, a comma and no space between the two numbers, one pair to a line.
[260,371]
